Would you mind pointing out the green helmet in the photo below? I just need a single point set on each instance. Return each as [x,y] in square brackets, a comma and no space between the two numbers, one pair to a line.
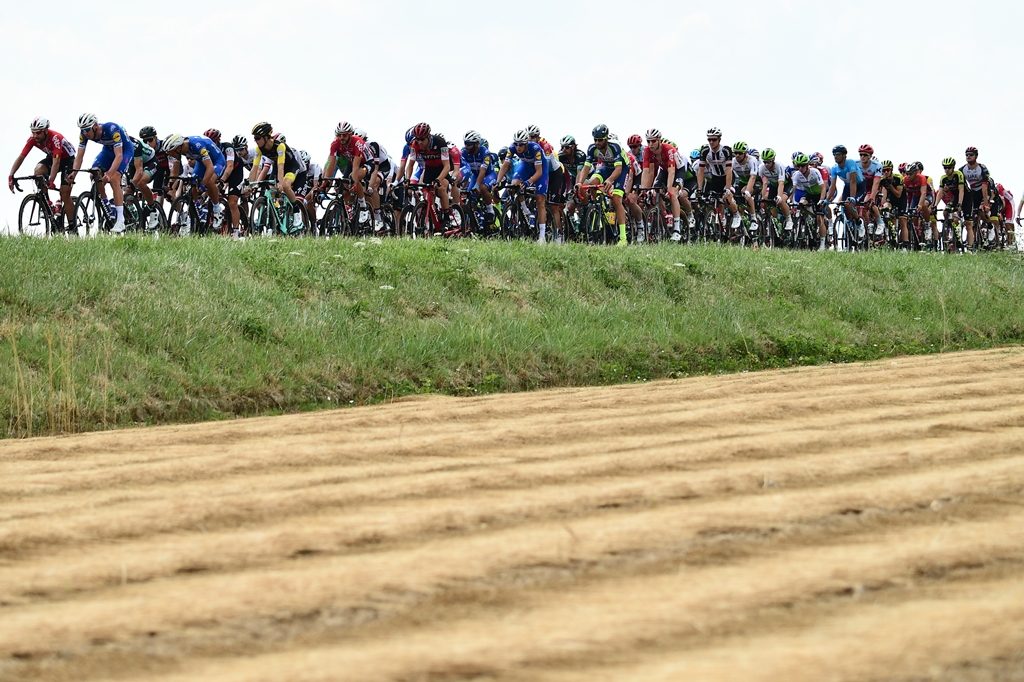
[768,154]
[948,162]
[801,160]
[739,147]
[887,165]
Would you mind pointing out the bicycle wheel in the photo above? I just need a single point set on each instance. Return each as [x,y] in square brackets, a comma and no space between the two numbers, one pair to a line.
[182,218]
[85,215]
[161,218]
[457,222]
[592,225]
[407,222]
[133,217]
[299,218]
[262,220]
[34,217]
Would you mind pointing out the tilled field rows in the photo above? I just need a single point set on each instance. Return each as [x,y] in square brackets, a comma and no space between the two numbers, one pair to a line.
[839,523]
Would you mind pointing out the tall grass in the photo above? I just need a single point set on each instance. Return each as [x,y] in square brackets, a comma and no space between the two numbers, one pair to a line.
[107,332]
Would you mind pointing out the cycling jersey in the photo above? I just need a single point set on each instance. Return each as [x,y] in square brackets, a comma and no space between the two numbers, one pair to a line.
[554,165]
[975,177]
[609,157]
[716,161]
[472,161]
[144,151]
[810,183]
[891,183]
[869,173]
[54,144]
[111,135]
[843,172]
[667,157]
[199,149]
[742,170]
[572,161]
[454,156]
[282,155]
[634,166]
[915,183]
[345,154]
[378,154]
[526,163]
[432,152]
[952,183]
[773,174]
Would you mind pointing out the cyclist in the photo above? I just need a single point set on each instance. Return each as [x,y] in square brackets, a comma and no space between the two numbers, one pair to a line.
[276,151]
[745,168]
[951,184]
[635,145]
[478,172]
[207,164]
[432,151]
[817,161]
[609,164]
[808,187]
[159,181]
[976,198]
[531,169]
[894,197]
[60,158]
[114,159]
[917,187]
[572,160]
[853,185]
[234,177]
[382,174]
[773,182]
[349,154]
[669,165]
[1006,212]
[716,160]
[145,167]
[871,170]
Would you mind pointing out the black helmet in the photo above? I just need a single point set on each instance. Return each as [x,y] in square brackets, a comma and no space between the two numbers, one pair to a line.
[600,131]
[262,129]
[147,131]
[239,142]
[839,149]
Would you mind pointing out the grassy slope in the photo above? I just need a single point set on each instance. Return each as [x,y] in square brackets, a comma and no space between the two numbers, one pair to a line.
[112,332]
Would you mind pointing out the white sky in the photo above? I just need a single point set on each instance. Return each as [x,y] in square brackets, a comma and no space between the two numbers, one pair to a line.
[919,81]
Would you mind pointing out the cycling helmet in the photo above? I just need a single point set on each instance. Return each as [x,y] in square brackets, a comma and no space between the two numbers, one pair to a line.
[902,168]
[279,137]
[360,133]
[948,162]
[971,150]
[343,127]
[694,154]
[568,140]
[213,134]
[839,149]
[40,124]
[421,130]
[653,134]
[239,142]
[532,130]
[817,157]
[613,137]
[409,136]
[86,121]
[887,165]
[521,136]
[484,143]
[753,152]
[768,154]
[1000,188]
[740,147]
[796,154]
[304,156]
[918,166]
[262,129]
[441,137]
[172,142]
[634,140]
[472,137]
[801,160]
[147,131]
[714,131]
[866,149]
[600,131]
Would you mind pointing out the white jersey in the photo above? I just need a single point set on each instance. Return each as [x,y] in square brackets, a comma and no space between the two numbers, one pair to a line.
[806,181]
[743,170]
[773,174]
[717,161]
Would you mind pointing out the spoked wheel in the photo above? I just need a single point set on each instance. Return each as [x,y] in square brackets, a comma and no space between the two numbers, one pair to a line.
[263,219]
[654,220]
[33,218]
[299,216]
[182,218]
[134,218]
[407,222]
[87,215]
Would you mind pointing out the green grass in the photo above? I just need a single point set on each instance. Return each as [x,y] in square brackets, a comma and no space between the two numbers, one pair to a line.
[112,332]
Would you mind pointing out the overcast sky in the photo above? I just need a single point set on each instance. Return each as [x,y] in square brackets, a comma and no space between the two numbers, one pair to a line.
[918,81]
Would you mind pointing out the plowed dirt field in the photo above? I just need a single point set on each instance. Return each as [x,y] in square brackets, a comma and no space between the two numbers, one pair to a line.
[854,522]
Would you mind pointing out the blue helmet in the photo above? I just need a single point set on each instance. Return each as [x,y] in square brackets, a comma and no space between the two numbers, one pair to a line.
[695,154]
[409,136]
[796,154]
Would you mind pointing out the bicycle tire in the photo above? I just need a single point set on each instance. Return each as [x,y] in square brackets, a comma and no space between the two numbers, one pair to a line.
[34,214]
[85,214]
[133,220]
[262,218]
[182,217]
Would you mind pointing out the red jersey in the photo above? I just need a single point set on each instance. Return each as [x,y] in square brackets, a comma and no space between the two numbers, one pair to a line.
[54,144]
[546,146]
[348,151]
[454,155]
[667,157]
[432,152]
[824,174]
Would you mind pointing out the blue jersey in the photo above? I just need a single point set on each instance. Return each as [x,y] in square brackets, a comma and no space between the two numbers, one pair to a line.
[200,147]
[482,158]
[532,152]
[850,166]
[111,135]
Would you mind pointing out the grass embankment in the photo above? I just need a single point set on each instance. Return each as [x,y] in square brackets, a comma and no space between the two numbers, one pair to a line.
[106,332]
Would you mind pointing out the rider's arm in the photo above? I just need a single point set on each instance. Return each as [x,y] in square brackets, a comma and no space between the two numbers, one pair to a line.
[503,170]
[851,182]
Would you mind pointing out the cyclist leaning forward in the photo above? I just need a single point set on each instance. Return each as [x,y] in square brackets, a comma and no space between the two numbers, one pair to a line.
[532,169]
[207,165]
[114,159]
[663,167]
[60,158]
[610,166]
[290,172]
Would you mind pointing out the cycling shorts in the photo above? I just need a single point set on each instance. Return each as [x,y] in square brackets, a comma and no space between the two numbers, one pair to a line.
[469,177]
[973,199]
[106,157]
[199,168]
[67,164]
[812,197]
[524,171]
[602,173]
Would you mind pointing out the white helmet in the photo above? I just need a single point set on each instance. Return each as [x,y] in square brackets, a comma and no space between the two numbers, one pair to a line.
[172,142]
[40,124]
[359,132]
[714,131]
[653,134]
[471,137]
[532,130]
[613,137]
[343,127]
[304,156]
[568,140]
[86,121]
[521,136]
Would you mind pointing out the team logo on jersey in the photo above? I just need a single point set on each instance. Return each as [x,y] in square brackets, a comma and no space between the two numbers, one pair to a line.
[116,137]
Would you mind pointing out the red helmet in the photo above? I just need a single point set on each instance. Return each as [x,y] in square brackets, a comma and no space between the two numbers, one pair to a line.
[903,168]
[213,134]
[634,140]
[866,149]
[421,130]
[971,150]
[1000,188]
